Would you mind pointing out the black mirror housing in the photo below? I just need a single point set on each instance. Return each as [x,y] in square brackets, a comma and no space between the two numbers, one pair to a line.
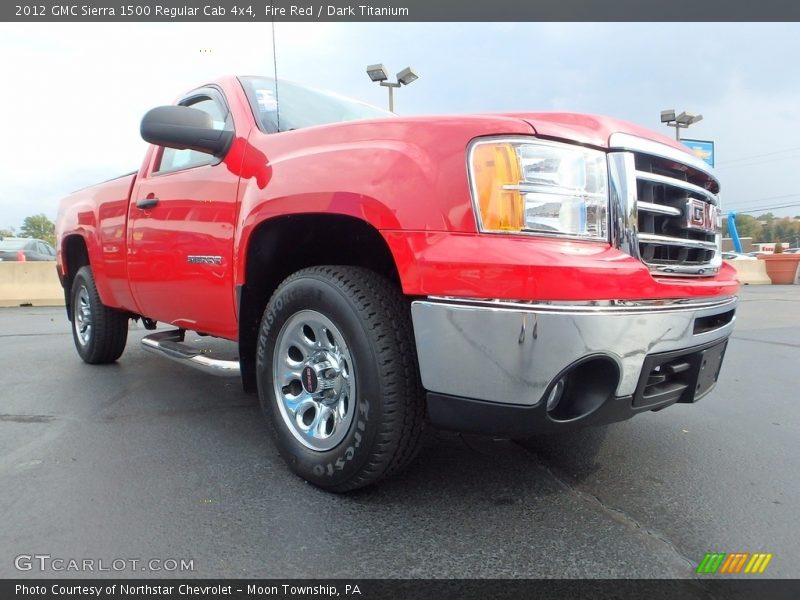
[184,128]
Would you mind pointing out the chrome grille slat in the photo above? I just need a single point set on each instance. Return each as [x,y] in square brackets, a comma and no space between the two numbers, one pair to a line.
[677,183]
[660,208]
[648,238]
[664,208]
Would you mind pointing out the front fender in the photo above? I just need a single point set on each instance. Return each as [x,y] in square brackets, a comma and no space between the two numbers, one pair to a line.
[384,184]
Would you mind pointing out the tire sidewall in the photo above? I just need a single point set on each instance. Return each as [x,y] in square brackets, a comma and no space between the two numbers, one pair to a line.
[335,466]
[83,278]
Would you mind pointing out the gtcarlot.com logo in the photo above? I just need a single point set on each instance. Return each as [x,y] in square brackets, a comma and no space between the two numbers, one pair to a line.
[734,563]
[46,562]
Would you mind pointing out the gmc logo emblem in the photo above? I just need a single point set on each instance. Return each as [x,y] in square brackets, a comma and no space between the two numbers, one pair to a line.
[703,216]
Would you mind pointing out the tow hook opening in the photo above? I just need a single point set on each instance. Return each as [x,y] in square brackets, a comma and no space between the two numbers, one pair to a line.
[582,388]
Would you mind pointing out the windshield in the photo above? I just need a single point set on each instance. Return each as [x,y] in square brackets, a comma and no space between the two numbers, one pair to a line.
[301,106]
[12,245]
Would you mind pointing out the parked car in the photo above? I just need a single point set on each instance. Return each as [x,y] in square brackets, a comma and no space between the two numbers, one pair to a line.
[507,274]
[23,249]
[737,256]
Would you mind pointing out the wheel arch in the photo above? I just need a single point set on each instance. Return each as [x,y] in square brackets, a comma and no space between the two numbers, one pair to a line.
[75,255]
[283,245]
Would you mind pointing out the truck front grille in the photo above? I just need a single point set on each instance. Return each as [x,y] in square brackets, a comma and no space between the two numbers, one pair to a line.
[668,209]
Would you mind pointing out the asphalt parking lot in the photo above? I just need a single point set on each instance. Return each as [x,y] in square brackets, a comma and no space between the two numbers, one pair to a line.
[148,459]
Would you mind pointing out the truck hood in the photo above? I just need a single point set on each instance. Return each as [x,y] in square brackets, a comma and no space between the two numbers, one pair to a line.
[592,130]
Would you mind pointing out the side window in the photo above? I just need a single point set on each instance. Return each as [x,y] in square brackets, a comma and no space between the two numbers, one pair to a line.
[174,160]
[42,249]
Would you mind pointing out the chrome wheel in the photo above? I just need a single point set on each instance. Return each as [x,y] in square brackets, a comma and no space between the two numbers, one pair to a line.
[313,380]
[83,317]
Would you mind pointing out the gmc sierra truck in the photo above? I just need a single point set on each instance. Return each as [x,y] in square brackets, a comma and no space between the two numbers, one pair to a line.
[504,274]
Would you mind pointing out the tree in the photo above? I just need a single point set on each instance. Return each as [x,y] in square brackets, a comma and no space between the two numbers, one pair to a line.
[6,232]
[40,227]
[746,226]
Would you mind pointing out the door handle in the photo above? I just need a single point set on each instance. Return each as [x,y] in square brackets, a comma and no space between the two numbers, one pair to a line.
[149,202]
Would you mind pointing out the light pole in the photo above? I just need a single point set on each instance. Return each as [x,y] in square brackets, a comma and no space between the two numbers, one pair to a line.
[378,73]
[681,121]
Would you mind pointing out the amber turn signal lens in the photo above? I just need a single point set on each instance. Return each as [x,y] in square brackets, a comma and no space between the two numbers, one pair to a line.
[495,166]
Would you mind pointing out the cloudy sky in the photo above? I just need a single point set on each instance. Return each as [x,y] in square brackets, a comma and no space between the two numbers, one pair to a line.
[73,94]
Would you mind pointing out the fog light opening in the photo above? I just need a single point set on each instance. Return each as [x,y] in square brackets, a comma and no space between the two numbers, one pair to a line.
[582,389]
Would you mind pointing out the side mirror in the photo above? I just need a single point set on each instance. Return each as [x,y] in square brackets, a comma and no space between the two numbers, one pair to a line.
[184,128]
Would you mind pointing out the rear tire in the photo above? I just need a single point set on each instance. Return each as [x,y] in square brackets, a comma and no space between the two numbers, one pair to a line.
[337,376]
[99,332]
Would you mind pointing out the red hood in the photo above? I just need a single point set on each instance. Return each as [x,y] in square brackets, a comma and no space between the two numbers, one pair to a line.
[592,130]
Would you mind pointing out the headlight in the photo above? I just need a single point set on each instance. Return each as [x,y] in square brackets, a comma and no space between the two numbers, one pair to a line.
[540,187]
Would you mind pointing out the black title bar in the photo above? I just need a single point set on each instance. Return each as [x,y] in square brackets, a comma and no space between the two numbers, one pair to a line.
[399,10]
[396,589]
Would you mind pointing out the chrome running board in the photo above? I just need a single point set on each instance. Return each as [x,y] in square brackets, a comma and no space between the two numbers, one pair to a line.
[170,345]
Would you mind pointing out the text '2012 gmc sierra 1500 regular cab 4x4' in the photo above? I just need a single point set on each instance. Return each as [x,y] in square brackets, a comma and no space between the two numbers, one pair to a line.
[505,274]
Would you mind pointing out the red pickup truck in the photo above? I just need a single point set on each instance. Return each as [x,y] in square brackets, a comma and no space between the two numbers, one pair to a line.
[505,274]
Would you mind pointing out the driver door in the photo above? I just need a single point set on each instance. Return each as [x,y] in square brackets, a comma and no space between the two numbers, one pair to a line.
[180,233]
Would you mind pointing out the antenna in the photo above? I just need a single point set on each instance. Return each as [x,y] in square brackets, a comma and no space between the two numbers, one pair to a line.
[275,73]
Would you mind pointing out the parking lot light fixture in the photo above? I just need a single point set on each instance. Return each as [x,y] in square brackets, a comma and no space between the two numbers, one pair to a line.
[379,74]
[680,121]
[407,76]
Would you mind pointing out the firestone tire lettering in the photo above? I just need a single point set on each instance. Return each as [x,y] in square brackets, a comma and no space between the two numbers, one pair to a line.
[374,318]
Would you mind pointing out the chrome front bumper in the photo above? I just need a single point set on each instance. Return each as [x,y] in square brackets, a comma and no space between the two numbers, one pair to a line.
[511,352]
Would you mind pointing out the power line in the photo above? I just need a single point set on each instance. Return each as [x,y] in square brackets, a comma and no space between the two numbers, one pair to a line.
[752,156]
[767,208]
[748,202]
[769,161]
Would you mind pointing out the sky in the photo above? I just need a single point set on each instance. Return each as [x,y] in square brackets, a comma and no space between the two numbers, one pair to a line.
[74,93]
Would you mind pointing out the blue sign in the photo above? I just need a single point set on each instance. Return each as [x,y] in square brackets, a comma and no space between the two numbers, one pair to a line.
[702,149]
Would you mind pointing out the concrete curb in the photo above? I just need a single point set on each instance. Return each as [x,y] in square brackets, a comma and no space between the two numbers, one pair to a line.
[30,283]
[750,272]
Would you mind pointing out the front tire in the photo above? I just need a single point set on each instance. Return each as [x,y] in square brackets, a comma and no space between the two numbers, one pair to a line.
[337,376]
[99,332]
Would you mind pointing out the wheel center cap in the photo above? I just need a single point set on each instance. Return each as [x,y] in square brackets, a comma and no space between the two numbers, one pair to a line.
[310,380]
[321,376]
